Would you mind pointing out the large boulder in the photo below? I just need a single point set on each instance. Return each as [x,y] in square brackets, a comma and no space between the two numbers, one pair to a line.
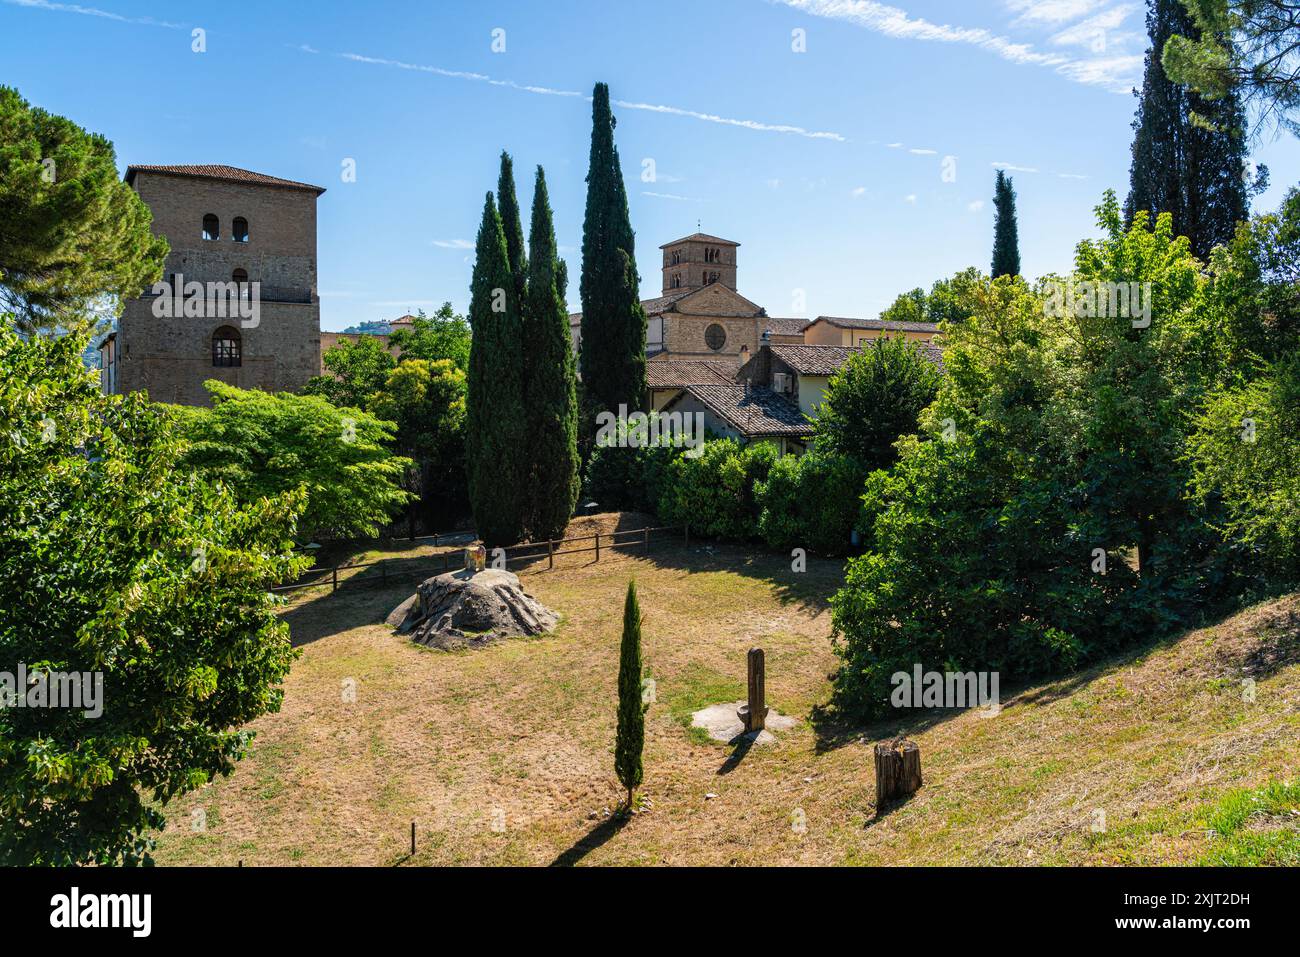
[470,609]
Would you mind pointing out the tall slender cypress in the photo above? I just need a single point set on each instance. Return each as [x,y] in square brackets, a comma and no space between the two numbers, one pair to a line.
[1006,239]
[494,420]
[550,389]
[1191,169]
[630,740]
[613,322]
[512,223]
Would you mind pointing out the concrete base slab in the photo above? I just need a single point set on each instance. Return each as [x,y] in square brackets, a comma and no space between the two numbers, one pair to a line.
[722,724]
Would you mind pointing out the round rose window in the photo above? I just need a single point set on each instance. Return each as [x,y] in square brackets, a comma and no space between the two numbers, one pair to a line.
[715,337]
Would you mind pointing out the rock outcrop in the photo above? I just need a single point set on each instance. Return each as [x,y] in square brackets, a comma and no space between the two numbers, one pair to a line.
[470,609]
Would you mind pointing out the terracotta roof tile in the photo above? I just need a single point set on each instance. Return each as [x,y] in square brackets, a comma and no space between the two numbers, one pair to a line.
[841,322]
[754,412]
[229,173]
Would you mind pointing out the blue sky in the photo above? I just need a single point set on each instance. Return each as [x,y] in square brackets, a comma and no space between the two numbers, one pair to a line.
[827,165]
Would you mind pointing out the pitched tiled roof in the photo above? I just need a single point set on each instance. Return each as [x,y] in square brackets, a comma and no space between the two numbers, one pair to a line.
[229,173]
[842,323]
[785,327]
[813,360]
[678,373]
[699,238]
[827,360]
[754,412]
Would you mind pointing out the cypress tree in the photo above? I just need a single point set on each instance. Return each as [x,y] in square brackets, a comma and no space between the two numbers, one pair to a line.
[494,419]
[631,712]
[613,322]
[1006,240]
[1190,166]
[550,390]
[512,224]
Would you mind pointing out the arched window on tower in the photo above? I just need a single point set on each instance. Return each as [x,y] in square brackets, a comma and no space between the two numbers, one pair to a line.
[226,349]
[239,229]
[211,227]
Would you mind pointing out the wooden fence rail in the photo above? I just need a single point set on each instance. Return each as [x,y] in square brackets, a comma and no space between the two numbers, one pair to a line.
[532,552]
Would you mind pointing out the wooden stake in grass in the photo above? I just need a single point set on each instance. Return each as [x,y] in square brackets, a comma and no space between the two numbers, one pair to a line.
[898,771]
[631,711]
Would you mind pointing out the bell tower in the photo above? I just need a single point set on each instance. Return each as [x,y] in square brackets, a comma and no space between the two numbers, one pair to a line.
[698,260]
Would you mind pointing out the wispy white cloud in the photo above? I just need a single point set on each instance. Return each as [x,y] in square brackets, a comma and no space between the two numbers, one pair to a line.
[1070,176]
[910,198]
[1052,11]
[673,196]
[92,12]
[897,23]
[454,243]
[1013,168]
[786,128]
[858,192]
[924,152]
[976,206]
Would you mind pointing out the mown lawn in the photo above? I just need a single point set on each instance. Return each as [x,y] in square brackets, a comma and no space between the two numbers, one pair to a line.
[505,755]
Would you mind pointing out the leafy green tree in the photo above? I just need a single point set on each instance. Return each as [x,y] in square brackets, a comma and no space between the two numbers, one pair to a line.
[1189,152]
[72,234]
[357,369]
[550,389]
[1247,48]
[908,307]
[1006,241]
[260,446]
[426,401]
[630,739]
[613,322]
[1246,454]
[117,559]
[496,447]
[950,299]
[876,396]
[444,335]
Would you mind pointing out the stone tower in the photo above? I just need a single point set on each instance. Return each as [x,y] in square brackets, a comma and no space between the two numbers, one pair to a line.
[699,260]
[241,238]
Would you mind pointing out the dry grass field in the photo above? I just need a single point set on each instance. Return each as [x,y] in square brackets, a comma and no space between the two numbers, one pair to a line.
[504,755]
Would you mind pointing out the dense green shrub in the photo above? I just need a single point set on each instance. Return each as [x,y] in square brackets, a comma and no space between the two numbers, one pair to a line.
[811,502]
[713,492]
[624,475]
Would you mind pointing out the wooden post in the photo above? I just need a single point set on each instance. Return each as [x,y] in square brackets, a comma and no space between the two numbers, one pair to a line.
[550,554]
[435,539]
[898,771]
[598,546]
[336,578]
[647,540]
[753,715]
[413,839]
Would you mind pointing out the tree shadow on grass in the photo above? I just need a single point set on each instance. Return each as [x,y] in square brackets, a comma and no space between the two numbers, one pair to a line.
[809,590]
[593,839]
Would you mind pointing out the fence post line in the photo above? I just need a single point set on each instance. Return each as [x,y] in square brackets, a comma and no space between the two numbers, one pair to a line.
[550,554]
[598,546]
[335,572]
